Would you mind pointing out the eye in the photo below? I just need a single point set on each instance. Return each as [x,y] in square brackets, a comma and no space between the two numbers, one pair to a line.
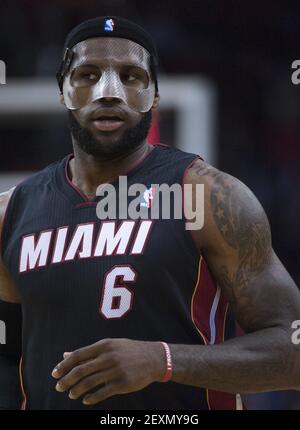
[89,76]
[127,77]
[82,77]
[135,77]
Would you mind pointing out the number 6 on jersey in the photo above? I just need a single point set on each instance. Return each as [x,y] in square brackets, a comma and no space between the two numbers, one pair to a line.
[116,299]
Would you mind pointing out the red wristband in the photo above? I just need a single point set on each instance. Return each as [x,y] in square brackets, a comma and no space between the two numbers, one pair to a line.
[169,369]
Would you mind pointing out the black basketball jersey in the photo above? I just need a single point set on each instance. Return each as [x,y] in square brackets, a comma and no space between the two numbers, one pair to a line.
[82,280]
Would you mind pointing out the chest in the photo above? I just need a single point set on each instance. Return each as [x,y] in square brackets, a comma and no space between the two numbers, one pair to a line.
[72,255]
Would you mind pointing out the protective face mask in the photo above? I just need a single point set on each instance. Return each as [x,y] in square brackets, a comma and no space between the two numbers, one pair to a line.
[123,75]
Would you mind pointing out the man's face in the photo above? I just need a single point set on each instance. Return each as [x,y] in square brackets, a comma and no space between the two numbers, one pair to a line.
[106,90]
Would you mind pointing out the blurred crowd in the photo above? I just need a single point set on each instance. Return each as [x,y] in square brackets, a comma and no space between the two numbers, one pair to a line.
[246,48]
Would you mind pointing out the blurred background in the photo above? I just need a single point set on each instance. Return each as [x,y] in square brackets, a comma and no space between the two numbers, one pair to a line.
[226,90]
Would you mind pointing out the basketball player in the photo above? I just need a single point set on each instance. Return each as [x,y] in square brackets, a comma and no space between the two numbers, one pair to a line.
[134,314]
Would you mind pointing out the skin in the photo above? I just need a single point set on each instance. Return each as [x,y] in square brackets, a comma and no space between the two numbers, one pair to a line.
[236,244]
[87,172]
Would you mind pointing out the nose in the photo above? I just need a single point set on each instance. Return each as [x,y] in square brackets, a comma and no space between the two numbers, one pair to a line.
[109,99]
[109,102]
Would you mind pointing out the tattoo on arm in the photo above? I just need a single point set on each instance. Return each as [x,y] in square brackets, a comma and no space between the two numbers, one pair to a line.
[237,246]
[244,227]
[236,243]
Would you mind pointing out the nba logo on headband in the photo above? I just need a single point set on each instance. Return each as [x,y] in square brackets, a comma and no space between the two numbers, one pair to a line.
[109,25]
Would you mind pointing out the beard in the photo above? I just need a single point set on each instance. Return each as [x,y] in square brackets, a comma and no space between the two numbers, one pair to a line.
[130,140]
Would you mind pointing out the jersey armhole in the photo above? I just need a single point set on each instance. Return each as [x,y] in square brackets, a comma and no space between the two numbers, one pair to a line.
[185,220]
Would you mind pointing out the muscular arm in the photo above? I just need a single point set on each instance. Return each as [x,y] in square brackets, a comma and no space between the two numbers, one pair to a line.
[236,244]
[10,314]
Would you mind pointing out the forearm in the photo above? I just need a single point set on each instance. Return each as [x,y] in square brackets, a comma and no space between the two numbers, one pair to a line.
[262,361]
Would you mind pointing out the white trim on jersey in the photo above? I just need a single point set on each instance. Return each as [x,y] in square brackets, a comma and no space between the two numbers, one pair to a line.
[212,316]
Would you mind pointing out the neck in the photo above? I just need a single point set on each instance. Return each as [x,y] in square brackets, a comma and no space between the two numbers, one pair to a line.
[88,172]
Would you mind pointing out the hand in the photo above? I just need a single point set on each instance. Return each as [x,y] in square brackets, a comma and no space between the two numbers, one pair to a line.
[120,365]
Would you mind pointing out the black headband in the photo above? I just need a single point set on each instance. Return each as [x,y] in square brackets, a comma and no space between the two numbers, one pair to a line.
[106,27]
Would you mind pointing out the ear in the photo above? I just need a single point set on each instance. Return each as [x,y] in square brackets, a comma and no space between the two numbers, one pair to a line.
[156,101]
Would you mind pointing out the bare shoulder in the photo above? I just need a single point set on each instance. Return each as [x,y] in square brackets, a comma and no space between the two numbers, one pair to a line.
[220,186]
[8,291]
[200,170]
[233,214]
[216,180]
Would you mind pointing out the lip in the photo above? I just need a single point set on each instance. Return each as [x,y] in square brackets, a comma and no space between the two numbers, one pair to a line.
[108,124]
[108,119]
[108,113]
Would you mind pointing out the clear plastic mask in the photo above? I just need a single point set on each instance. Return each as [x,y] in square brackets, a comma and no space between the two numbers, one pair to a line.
[122,73]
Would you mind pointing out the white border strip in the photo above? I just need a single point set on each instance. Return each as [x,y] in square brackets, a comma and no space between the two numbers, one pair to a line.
[212,316]
[192,96]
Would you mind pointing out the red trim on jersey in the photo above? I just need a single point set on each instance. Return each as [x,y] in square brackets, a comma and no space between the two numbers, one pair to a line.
[202,304]
[194,296]
[84,204]
[85,198]
[69,182]
[221,401]
[203,299]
